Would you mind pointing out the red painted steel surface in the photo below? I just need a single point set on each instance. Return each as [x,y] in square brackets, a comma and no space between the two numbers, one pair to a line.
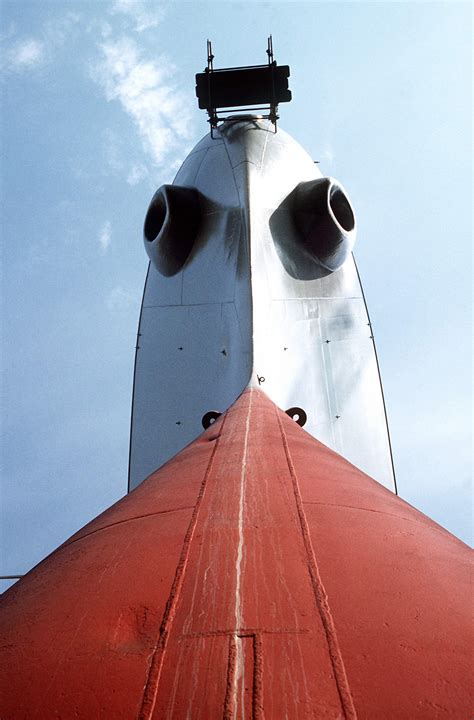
[257,574]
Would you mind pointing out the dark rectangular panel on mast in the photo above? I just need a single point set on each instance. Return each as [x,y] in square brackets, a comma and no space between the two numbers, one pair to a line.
[253,87]
[237,87]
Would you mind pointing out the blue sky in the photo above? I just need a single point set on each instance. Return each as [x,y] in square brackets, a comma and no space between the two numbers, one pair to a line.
[98,110]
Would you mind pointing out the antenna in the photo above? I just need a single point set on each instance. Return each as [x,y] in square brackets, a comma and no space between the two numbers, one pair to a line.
[257,88]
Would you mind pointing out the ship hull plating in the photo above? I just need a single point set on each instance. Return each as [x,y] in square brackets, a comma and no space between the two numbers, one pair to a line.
[254,304]
[257,574]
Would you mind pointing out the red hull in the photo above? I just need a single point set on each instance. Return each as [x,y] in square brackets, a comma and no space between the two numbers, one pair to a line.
[257,574]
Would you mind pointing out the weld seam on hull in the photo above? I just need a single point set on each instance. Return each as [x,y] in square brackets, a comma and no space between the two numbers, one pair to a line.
[231,669]
[423,522]
[154,673]
[257,697]
[122,522]
[230,707]
[260,632]
[320,594]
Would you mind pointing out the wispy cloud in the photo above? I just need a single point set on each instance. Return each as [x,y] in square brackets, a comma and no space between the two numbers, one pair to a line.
[29,53]
[143,14]
[25,55]
[112,149]
[119,300]
[105,30]
[144,89]
[137,173]
[105,236]
[327,155]
[58,31]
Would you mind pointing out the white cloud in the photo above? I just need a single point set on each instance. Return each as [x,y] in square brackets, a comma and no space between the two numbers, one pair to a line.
[105,236]
[105,30]
[112,149]
[144,89]
[29,53]
[58,31]
[26,54]
[137,173]
[119,299]
[328,154]
[143,14]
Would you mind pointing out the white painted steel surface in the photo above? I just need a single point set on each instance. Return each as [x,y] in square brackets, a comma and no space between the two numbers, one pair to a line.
[234,313]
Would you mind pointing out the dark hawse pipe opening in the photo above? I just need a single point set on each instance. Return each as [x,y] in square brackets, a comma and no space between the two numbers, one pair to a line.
[325,221]
[341,208]
[314,229]
[155,216]
[171,226]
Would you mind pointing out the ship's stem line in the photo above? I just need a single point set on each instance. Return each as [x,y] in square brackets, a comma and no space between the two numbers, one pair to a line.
[239,660]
